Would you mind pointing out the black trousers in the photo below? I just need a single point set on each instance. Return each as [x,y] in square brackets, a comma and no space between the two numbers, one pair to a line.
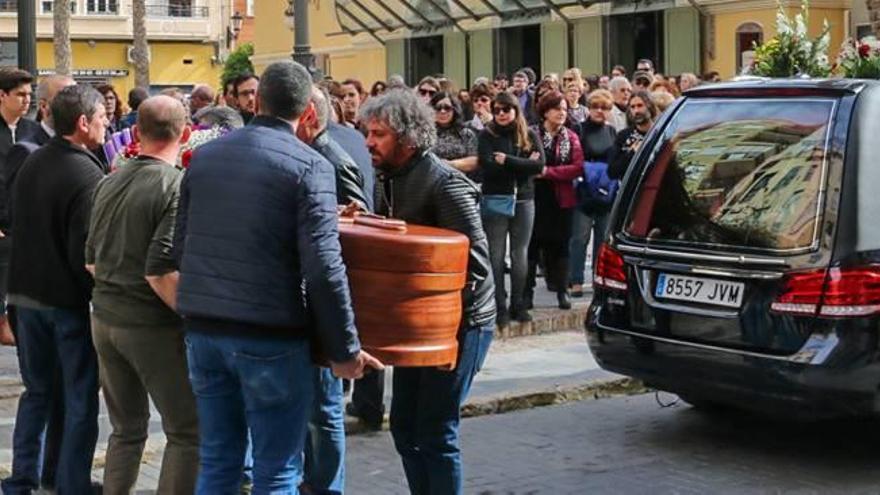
[368,396]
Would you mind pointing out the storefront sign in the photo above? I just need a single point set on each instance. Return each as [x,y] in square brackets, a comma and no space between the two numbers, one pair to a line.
[89,72]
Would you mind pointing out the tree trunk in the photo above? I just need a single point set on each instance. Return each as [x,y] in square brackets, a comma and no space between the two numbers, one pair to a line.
[61,26]
[874,15]
[141,51]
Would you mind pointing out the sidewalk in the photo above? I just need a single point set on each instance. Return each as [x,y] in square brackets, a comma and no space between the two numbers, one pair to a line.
[548,362]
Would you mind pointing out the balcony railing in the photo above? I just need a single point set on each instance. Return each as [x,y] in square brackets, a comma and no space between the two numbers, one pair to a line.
[186,11]
[8,6]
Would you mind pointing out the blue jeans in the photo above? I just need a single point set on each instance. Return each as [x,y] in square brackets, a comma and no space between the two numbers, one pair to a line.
[582,226]
[325,448]
[425,416]
[519,228]
[242,384]
[49,339]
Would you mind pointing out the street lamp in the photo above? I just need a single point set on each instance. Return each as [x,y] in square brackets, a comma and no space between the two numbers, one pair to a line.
[237,20]
[302,52]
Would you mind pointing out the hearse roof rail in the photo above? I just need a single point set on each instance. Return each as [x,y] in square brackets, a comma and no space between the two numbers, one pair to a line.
[759,87]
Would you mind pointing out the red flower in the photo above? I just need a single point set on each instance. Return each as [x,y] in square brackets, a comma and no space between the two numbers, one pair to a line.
[185,158]
[864,50]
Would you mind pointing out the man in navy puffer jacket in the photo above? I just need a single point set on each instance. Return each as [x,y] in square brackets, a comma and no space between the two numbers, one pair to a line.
[257,226]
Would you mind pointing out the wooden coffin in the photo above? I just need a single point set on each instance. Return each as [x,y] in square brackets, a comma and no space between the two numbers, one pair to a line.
[406,282]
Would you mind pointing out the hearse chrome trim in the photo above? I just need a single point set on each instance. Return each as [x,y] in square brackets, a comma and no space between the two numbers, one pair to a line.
[790,359]
[741,259]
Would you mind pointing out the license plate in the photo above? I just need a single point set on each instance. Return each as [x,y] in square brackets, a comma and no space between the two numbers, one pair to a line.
[699,290]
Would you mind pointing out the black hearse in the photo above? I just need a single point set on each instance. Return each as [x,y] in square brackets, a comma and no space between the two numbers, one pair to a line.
[742,261]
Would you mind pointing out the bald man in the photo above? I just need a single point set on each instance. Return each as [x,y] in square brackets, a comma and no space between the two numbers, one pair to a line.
[202,96]
[137,334]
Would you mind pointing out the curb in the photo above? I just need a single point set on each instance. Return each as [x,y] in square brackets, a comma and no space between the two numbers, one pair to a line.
[592,390]
[547,320]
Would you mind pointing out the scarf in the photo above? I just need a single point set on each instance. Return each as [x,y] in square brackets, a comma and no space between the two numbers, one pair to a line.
[562,149]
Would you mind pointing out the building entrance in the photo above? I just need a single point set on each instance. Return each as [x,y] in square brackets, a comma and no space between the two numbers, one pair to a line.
[518,47]
[635,36]
[425,58]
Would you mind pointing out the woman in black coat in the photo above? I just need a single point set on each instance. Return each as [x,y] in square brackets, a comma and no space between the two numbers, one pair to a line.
[510,156]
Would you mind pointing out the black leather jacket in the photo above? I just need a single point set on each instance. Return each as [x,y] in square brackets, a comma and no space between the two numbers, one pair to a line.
[428,192]
[349,181]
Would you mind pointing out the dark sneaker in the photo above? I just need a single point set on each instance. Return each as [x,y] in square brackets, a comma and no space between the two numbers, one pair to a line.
[563,300]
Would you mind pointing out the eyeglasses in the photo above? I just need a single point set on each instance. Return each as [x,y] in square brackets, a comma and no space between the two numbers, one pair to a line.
[427,92]
[484,99]
[600,107]
[504,109]
[443,108]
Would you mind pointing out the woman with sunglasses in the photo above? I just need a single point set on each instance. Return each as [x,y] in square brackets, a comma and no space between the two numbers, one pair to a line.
[510,157]
[456,143]
[597,136]
[481,101]
[555,198]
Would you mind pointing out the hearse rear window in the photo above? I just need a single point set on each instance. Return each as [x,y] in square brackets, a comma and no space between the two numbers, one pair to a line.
[736,172]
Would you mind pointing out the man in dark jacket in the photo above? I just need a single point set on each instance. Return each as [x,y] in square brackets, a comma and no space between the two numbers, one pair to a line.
[15,100]
[353,142]
[51,289]
[257,224]
[46,91]
[641,112]
[325,450]
[414,185]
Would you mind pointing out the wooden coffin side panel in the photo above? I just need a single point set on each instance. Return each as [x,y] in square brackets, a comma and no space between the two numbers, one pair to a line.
[408,319]
[418,250]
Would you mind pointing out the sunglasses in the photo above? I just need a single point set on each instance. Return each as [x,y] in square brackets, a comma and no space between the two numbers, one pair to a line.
[427,92]
[443,108]
[504,109]
[567,79]
[600,107]
[484,99]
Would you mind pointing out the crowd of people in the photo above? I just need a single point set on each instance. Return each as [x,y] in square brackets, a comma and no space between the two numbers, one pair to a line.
[199,268]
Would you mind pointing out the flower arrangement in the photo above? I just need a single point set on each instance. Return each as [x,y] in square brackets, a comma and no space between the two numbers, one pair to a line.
[792,52]
[860,59]
[198,137]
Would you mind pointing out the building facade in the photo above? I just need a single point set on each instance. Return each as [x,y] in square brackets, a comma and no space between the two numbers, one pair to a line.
[189,39]
[464,39]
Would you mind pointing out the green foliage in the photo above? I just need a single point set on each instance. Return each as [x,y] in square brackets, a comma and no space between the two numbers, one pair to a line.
[860,59]
[792,52]
[239,62]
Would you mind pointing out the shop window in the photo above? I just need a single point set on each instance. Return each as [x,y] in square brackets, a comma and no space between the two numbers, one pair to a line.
[748,36]
[46,7]
[102,7]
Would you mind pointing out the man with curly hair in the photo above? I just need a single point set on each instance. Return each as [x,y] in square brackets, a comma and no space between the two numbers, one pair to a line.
[415,185]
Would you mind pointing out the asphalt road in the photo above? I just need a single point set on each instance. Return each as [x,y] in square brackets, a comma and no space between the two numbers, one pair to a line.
[633,445]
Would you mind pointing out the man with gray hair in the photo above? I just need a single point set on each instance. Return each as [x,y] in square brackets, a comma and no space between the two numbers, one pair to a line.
[46,90]
[325,450]
[256,238]
[416,186]
[217,116]
[621,89]
[137,334]
[51,290]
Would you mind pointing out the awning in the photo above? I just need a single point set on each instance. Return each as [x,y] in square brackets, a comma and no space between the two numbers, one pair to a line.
[375,16]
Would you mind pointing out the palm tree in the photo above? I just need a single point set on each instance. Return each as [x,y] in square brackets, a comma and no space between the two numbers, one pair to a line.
[874,15]
[61,26]
[141,51]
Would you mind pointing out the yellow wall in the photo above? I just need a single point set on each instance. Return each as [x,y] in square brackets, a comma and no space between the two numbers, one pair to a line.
[273,40]
[727,23]
[167,65]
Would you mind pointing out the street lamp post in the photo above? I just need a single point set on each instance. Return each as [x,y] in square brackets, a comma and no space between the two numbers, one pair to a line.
[302,52]
[27,35]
